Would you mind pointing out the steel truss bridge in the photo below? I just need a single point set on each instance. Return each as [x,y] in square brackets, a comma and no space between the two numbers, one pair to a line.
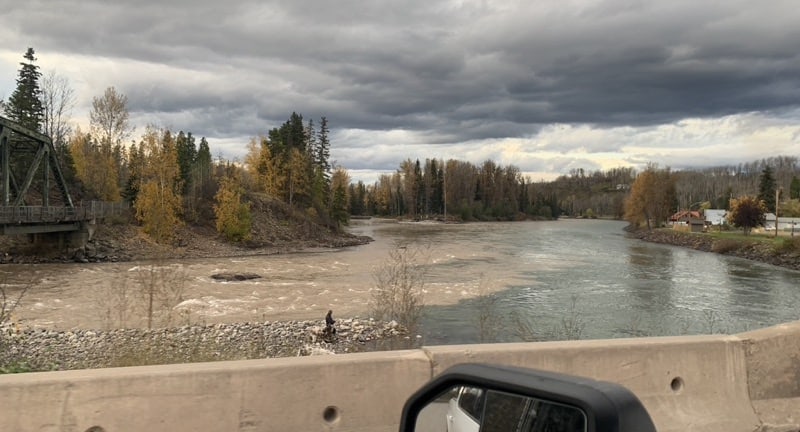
[34,197]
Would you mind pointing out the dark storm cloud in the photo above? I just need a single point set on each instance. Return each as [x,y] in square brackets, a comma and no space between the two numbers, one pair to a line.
[451,71]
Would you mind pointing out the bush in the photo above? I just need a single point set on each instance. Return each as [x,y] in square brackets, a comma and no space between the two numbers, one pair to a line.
[399,283]
[724,246]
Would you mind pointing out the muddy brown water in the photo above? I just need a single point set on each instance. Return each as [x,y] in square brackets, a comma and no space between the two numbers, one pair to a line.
[587,274]
[303,285]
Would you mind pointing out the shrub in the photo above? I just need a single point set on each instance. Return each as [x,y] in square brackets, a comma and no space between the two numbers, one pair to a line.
[399,283]
[724,246]
[788,245]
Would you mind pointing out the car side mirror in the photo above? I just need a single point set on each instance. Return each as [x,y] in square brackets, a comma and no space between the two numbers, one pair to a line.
[477,397]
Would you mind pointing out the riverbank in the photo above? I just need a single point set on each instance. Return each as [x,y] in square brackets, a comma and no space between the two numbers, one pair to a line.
[276,229]
[786,255]
[42,349]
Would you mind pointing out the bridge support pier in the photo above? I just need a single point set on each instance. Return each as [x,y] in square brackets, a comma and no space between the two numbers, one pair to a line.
[71,244]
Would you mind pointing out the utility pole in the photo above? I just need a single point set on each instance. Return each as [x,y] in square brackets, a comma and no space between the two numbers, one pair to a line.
[777,197]
[444,191]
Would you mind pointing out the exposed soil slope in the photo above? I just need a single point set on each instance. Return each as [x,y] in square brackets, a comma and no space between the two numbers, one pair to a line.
[277,228]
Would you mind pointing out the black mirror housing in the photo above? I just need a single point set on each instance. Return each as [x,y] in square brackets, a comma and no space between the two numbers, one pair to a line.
[606,406]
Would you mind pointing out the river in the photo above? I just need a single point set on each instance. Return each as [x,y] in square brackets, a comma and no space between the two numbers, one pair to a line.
[547,280]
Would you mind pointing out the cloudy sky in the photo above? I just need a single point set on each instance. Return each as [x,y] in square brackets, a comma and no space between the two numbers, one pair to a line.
[548,86]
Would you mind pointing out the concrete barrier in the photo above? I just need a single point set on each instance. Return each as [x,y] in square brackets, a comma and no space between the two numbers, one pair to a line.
[773,365]
[357,392]
[695,383]
[686,383]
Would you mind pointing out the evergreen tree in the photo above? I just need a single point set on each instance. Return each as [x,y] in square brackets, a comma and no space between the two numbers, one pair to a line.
[794,188]
[202,188]
[135,168]
[202,166]
[324,148]
[767,188]
[25,104]
[187,153]
[311,141]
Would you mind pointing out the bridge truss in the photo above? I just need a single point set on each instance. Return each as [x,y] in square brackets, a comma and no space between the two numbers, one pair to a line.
[29,156]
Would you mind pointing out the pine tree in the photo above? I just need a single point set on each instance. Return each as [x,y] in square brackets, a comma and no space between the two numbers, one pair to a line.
[794,188]
[25,104]
[767,187]
[323,145]
[187,153]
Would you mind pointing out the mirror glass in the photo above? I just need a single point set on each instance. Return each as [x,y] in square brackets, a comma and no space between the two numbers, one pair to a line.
[474,409]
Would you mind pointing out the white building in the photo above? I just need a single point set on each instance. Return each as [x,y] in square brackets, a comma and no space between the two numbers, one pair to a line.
[716,216]
[784,223]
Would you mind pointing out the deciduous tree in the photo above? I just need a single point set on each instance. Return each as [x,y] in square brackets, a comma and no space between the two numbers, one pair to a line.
[747,212]
[94,167]
[233,217]
[109,117]
[339,204]
[158,203]
[58,100]
[652,197]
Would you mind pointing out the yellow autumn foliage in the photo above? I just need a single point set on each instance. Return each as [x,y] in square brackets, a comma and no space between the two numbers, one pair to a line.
[158,204]
[234,219]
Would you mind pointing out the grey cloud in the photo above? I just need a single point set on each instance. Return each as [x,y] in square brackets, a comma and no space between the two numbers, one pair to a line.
[450,71]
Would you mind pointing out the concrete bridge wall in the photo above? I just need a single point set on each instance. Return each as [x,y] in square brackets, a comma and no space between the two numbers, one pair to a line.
[720,383]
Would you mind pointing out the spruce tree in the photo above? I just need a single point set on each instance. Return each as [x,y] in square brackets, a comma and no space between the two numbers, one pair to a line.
[794,188]
[766,188]
[187,154]
[25,104]
[323,146]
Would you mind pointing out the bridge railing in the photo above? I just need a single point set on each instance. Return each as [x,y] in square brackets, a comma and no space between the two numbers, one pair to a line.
[81,212]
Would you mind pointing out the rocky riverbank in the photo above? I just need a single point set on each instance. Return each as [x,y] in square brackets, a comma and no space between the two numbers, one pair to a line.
[787,256]
[40,349]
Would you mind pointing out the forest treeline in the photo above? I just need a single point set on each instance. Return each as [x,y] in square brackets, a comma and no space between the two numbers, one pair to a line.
[494,192]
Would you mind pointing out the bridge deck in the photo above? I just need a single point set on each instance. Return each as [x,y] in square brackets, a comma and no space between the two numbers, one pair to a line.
[41,215]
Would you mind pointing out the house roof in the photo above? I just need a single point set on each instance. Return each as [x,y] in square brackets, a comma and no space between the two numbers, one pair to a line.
[685,215]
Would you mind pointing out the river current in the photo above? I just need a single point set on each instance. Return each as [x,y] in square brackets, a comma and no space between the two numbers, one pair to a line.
[546,280]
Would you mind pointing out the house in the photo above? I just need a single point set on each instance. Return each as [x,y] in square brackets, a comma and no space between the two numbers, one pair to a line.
[716,216]
[691,220]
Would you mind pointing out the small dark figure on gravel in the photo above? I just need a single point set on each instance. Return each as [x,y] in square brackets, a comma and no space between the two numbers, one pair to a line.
[330,330]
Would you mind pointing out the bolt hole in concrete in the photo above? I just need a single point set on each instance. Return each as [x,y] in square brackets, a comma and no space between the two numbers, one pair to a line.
[676,384]
[95,429]
[331,415]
